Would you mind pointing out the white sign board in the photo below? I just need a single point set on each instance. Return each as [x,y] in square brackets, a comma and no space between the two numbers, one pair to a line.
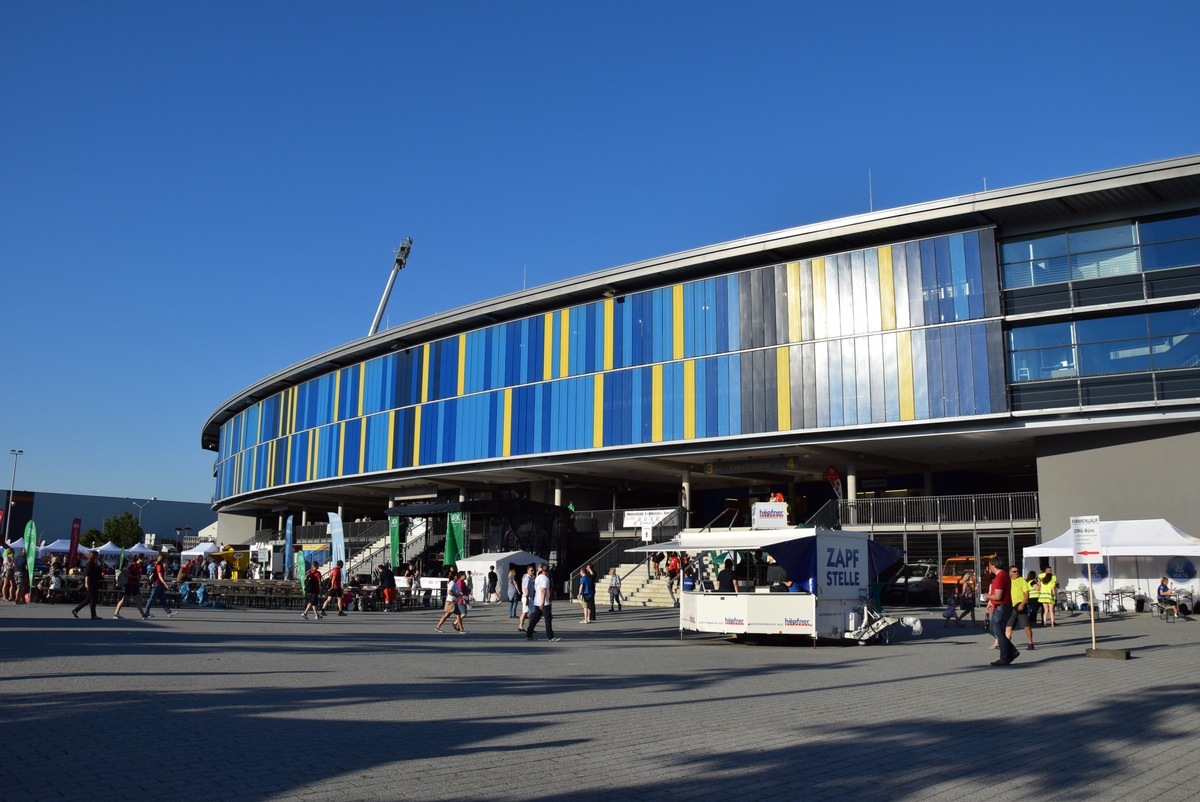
[1085,539]
[636,519]
[768,515]
[647,534]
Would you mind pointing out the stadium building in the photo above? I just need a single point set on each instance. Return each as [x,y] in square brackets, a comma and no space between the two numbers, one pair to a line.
[978,367]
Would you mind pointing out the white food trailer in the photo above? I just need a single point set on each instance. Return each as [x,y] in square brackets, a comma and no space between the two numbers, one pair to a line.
[834,568]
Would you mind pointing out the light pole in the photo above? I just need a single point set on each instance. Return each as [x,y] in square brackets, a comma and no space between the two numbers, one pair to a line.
[16,452]
[142,507]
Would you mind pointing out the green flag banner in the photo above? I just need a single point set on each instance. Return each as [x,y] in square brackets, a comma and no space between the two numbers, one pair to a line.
[454,538]
[301,569]
[30,549]
[394,531]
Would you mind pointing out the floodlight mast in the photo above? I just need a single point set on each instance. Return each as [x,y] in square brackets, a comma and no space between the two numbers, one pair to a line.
[401,258]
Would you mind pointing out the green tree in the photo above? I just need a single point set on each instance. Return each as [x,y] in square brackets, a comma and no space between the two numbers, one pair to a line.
[123,529]
[92,538]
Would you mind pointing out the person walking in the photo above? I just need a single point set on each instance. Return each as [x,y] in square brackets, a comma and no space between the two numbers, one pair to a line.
[312,591]
[133,586]
[614,590]
[493,584]
[456,605]
[335,590]
[92,577]
[514,592]
[1000,608]
[527,590]
[158,588]
[387,587]
[1020,591]
[542,605]
[966,598]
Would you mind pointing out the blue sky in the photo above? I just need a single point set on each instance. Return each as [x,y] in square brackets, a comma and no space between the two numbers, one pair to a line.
[194,195]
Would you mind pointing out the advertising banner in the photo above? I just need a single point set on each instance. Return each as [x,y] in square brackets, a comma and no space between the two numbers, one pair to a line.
[73,551]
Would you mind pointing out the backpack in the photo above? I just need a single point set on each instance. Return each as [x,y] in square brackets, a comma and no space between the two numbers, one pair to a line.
[122,579]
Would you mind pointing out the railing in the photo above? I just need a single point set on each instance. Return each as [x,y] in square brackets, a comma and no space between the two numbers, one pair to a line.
[611,555]
[922,511]
[610,523]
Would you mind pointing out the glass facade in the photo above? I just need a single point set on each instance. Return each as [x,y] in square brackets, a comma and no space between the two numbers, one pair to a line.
[1103,251]
[903,332]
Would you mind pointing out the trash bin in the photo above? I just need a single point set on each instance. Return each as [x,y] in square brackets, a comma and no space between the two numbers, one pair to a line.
[689,583]
[1140,604]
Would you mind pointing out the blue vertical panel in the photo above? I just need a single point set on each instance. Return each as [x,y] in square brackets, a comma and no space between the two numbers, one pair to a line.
[721,314]
[891,379]
[555,344]
[637,328]
[958,273]
[261,458]
[721,396]
[824,392]
[858,296]
[488,348]
[625,420]
[235,440]
[979,369]
[406,432]
[449,368]
[933,368]
[250,427]
[966,374]
[878,370]
[679,395]
[927,265]
[545,405]
[706,407]
[628,332]
[297,466]
[611,386]
[733,390]
[733,312]
[691,321]
[832,300]
[711,317]
[863,375]
[375,446]
[945,279]
[352,447]
[873,292]
[849,382]
[900,285]
[920,364]
[280,466]
[847,292]
[949,360]
[975,285]
[645,432]
[536,405]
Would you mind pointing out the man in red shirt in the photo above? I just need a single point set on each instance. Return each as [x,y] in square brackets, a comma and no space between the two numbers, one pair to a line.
[1000,598]
[335,589]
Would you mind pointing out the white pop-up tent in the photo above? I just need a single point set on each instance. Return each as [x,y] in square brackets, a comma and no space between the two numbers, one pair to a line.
[141,549]
[1136,555]
[61,546]
[480,564]
[199,550]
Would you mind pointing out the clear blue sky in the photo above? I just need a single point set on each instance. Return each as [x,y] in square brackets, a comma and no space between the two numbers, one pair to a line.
[194,195]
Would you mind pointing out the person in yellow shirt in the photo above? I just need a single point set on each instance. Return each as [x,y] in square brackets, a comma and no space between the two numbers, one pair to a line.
[1020,601]
[1047,595]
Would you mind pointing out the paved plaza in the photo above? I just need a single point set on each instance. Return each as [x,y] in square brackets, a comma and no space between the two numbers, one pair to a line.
[263,705]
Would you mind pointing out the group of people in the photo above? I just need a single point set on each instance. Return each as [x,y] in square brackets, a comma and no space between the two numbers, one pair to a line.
[1035,596]
[129,583]
[1013,602]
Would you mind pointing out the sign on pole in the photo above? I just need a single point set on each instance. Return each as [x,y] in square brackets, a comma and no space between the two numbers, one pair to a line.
[1085,549]
[1085,539]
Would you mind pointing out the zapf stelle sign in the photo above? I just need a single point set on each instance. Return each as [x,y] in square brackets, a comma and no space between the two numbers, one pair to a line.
[769,515]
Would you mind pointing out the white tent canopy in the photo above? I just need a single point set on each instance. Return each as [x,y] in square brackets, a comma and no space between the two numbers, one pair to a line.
[1135,553]
[61,546]
[1154,537]
[141,549]
[480,564]
[108,549]
[200,550]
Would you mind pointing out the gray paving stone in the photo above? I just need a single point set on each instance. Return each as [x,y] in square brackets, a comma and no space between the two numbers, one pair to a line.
[263,705]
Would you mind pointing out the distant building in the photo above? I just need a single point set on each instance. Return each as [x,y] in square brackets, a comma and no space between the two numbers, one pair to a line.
[53,513]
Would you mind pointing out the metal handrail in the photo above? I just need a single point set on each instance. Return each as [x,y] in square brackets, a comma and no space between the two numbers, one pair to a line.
[988,508]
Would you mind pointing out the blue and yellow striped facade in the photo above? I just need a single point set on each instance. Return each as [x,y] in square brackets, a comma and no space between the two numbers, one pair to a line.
[903,332]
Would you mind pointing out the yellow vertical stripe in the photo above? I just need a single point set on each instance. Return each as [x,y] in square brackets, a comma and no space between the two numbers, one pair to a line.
[689,399]
[564,344]
[462,363]
[598,411]
[253,467]
[609,308]
[887,289]
[677,321]
[416,459]
[656,404]
[425,372]
[287,469]
[269,474]
[508,422]
[292,410]
[794,306]
[783,384]
[258,437]
[547,346]
[341,449]
[337,393]
[904,367]
[820,321]
[391,446]
[310,457]
[362,386]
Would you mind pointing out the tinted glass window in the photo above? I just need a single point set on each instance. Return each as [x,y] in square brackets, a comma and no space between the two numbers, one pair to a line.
[1034,248]
[1039,336]
[1176,321]
[1175,228]
[1164,255]
[1099,238]
[1111,328]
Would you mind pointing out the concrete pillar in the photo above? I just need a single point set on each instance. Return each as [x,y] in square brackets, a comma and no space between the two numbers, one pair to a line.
[686,497]
[558,488]
[851,492]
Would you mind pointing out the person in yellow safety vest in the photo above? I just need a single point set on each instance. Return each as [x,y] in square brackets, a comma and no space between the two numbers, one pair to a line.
[1020,604]
[1046,596]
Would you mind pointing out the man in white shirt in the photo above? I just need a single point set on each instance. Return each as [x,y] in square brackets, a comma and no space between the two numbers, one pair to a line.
[527,589]
[541,605]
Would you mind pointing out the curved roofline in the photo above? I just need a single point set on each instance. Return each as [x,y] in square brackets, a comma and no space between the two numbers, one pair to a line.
[814,239]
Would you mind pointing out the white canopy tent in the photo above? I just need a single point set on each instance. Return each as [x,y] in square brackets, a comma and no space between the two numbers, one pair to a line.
[109,549]
[61,546]
[142,549]
[200,550]
[480,564]
[1136,555]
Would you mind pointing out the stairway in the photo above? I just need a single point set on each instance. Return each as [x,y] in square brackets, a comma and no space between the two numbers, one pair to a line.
[637,589]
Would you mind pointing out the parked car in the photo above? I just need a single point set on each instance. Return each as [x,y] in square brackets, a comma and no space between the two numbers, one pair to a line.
[956,567]
[917,583]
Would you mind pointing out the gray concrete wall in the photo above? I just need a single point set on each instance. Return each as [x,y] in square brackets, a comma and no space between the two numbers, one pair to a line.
[1129,474]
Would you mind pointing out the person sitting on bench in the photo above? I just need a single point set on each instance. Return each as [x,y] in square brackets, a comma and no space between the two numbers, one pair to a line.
[1166,597]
